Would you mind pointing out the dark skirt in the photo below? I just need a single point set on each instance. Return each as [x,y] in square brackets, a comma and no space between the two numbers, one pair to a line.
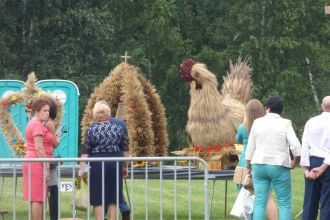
[110,182]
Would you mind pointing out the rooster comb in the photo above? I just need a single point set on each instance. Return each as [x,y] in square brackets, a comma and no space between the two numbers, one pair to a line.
[185,69]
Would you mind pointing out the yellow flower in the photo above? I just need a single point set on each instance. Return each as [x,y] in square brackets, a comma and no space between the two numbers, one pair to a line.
[139,164]
[183,162]
[39,94]
[14,98]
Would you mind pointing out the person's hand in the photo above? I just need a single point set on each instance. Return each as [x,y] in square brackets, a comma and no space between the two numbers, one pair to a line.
[82,167]
[293,163]
[248,167]
[125,171]
[318,171]
[309,175]
[47,172]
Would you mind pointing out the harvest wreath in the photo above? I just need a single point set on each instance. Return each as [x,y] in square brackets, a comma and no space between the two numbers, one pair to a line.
[26,96]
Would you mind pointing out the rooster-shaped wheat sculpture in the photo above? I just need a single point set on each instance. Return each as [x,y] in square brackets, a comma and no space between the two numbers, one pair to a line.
[214,116]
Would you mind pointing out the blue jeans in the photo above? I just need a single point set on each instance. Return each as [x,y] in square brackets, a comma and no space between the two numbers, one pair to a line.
[317,193]
[280,178]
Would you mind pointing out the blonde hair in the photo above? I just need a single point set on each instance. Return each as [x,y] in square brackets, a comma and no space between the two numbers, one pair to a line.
[254,110]
[101,111]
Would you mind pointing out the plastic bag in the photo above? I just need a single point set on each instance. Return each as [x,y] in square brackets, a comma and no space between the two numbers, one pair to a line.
[238,206]
[81,199]
[248,207]
[243,206]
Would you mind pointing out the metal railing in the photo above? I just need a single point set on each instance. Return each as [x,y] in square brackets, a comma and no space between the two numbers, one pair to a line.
[12,168]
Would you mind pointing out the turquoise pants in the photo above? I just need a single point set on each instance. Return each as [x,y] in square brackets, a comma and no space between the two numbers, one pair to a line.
[280,177]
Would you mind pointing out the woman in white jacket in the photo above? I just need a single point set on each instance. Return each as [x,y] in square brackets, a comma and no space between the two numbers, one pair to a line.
[268,151]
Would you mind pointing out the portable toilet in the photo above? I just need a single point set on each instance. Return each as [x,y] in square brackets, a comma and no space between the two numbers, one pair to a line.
[17,112]
[68,93]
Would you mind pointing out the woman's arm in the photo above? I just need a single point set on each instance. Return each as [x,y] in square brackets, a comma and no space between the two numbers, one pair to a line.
[82,164]
[239,137]
[125,168]
[125,149]
[38,143]
[86,150]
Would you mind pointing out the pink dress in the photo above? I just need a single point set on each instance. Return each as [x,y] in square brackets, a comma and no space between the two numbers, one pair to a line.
[33,129]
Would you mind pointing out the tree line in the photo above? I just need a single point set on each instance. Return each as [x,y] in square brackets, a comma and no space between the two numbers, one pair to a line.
[286,41]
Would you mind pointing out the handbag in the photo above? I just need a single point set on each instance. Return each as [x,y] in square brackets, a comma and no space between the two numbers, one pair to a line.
[239,176]
[243,206]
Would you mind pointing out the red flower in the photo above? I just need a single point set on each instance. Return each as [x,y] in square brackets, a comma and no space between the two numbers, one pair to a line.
[201,148]
[210,149]
[4,101]
[217,147]
[133,107]
[195,148]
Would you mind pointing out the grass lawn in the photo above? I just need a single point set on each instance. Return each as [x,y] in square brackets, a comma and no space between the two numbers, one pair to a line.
[197,199]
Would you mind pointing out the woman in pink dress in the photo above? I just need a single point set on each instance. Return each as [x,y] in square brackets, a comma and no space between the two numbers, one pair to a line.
[39,145]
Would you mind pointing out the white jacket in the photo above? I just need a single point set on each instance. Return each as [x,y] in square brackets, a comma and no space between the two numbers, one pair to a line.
[269,141]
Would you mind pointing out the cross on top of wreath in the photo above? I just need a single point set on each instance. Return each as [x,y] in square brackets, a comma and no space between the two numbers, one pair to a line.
[125,57]
[27,96]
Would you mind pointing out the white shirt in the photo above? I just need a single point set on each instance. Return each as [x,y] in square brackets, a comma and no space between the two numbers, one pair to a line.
[316,139]
[269,141]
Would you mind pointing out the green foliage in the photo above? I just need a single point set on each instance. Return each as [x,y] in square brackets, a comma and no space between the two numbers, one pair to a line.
[83,40]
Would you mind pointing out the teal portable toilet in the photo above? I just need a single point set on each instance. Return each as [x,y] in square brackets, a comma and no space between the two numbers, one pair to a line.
[68,93]
[17,112]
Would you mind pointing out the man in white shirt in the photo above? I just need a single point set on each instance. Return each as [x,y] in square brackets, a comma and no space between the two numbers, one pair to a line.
[315,159]
[269,142]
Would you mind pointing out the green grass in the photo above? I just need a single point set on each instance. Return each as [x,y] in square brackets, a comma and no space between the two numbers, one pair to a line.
[197,199]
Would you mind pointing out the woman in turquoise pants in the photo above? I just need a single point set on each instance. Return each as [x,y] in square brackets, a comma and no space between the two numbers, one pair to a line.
[254,110]
[268,150]
[280,178]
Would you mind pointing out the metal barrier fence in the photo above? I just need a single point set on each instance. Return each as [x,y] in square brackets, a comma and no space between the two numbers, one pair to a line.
[13,168]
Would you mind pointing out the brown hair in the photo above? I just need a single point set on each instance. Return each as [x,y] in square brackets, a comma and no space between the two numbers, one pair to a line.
[39,103]
[254,110]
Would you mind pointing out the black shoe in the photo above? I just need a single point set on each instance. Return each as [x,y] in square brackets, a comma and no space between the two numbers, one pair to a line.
[126,215]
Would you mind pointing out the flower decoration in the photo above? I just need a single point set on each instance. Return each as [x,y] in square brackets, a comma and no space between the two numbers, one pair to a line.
[139,163]
[4,102]
[27,95]
[212,154]
[209,149]
[196,148]
[39,94]
[134,107]
[14,98]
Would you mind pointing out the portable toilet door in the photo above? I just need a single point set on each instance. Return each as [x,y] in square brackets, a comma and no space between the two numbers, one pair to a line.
[68,93]
[17,112]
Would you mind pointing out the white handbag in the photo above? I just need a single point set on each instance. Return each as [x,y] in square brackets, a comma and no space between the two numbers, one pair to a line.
[243,206]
